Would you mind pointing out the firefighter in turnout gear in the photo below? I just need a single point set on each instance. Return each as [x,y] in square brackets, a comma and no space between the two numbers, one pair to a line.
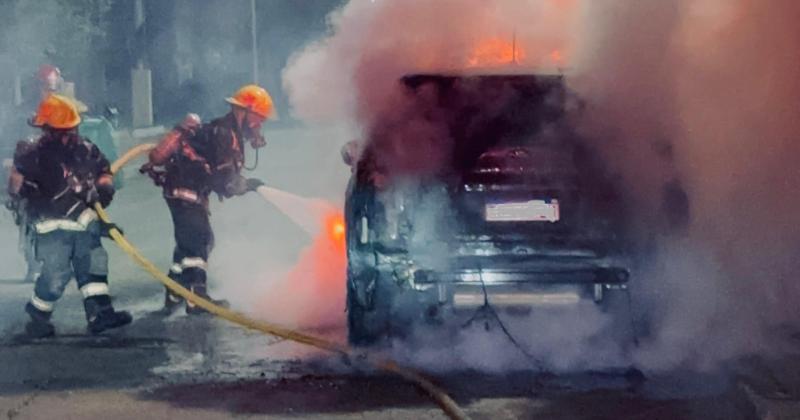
[18,207]
[48,81]
[62,175]
[192,161]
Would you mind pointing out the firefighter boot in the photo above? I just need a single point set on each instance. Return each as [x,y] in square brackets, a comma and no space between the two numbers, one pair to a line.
[39,326]
[200,290]
[101,316]
[172,301]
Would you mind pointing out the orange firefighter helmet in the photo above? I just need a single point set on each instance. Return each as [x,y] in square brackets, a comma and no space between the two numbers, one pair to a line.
[254,98]
[57,112]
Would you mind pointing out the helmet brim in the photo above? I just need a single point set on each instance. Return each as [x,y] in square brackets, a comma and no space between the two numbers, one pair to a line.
[38,123]
[234,102]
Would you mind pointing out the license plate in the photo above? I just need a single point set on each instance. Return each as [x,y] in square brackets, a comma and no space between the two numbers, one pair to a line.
[523,211]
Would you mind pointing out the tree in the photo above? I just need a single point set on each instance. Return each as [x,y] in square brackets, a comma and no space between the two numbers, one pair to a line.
[67,33]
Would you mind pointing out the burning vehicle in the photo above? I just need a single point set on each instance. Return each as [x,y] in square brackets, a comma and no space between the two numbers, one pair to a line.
[477,190]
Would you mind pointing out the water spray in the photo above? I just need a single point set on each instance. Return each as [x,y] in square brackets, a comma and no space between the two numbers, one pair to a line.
[310,214]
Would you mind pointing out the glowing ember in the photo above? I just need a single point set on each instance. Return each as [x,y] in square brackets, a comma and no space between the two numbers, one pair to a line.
[335,225]
[557,57]
[495,52]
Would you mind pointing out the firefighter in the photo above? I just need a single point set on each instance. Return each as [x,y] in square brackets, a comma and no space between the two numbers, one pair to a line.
[48,81]
[18,207]
[192,161]
[62,176]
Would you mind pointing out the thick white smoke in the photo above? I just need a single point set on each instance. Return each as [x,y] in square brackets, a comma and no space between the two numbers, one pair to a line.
[704,93]
[373,43]
[717,79]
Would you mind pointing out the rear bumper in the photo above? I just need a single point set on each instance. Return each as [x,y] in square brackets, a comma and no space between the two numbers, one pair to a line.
[470,288]
[511,276]
[505,281]
[469,296]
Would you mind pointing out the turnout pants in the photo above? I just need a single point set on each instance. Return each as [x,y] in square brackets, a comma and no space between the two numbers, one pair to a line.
[193,243]
[27,240]
[27,245]
[64,254]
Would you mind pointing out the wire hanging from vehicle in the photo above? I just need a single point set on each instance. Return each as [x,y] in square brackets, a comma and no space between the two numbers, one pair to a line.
[488,308]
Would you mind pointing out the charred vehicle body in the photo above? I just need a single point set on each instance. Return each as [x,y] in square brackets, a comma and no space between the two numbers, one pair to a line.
[477,190]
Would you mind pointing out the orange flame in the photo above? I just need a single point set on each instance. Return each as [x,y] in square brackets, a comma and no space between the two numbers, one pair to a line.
[495,52]
[313,291]
[334,225]
[557,57]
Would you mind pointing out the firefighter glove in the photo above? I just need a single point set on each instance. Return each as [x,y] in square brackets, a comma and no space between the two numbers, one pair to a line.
[105,193]
[237,186]
[158,175]
[254,183]
[105,229]
[12,205]
[258,142]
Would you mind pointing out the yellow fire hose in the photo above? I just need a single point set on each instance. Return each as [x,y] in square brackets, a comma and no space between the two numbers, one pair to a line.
[447,404]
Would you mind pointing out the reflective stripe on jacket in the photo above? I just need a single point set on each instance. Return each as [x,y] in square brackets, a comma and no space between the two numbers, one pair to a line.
[81,224]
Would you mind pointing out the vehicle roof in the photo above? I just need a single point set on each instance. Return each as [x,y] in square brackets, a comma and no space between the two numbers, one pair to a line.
[415,80]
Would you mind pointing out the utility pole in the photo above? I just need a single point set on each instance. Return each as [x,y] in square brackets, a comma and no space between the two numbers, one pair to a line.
[138,30]
[141,78]
[254,39]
